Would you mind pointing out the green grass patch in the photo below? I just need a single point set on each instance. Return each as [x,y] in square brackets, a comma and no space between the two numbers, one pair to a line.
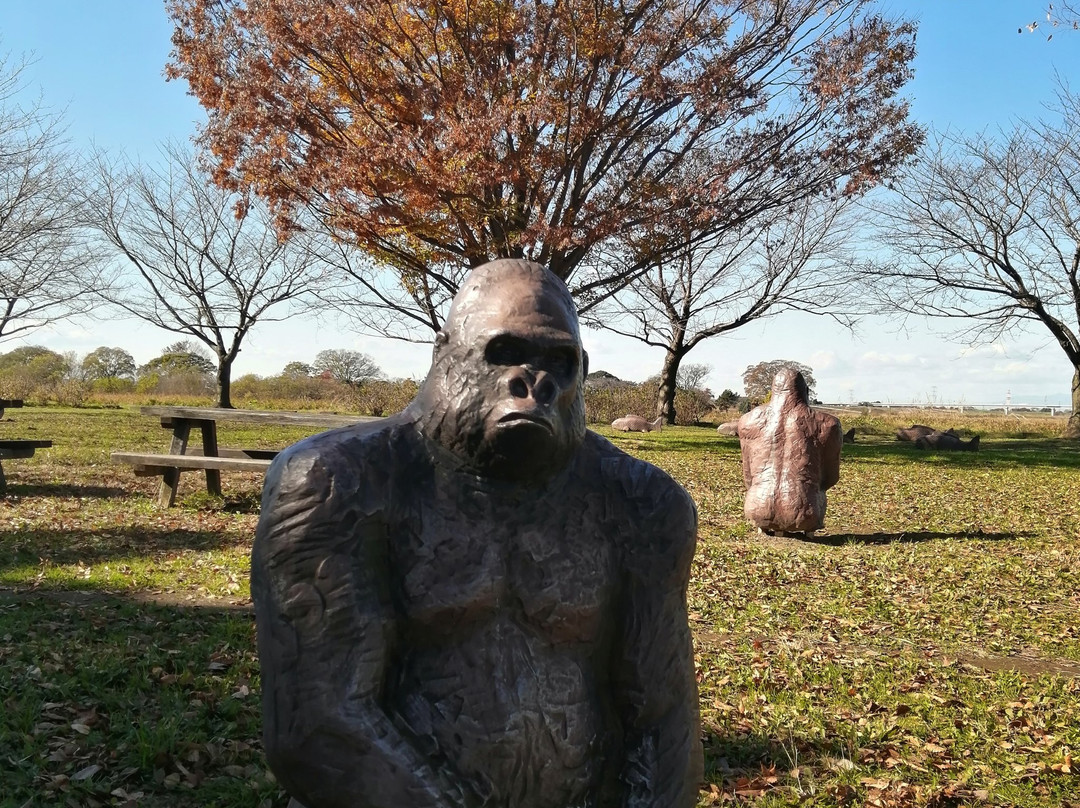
[922,650]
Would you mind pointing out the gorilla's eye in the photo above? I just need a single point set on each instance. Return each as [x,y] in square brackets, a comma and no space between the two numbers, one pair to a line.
[507,351]
[562,362]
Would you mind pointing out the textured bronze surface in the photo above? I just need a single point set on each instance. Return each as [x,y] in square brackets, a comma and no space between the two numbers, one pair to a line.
[790,457]
[477,602]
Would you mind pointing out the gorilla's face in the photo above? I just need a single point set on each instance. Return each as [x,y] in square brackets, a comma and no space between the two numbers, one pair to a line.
[504,393]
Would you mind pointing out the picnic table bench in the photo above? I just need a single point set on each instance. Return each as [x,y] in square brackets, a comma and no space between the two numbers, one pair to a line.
[10,449]
[208,456]
[13,448]
[11,403]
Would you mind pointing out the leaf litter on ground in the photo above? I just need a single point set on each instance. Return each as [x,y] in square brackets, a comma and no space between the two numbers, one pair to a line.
[922,650]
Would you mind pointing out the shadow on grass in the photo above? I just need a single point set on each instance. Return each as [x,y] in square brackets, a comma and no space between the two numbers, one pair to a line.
[236,501]
[996,452]
[913,537]
[993,452]
[21,547]
[64,490]
[742,758]
[158,694]
[703,441]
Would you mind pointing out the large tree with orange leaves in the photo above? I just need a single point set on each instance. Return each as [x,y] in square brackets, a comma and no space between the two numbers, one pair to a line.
[438,134]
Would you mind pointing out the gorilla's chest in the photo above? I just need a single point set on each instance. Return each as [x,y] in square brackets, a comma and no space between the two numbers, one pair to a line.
[465,557]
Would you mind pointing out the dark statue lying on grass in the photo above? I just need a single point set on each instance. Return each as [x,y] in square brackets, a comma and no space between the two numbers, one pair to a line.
[926,437]
[477,602]
[947,442]
[916,431]
[790,458]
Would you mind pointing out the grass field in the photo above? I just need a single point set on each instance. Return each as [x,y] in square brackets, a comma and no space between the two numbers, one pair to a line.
[923,650]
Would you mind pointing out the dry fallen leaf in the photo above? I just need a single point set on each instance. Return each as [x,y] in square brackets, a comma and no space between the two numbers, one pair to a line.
[87,773]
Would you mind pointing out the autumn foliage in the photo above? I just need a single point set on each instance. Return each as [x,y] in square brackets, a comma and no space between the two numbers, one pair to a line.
[437,135]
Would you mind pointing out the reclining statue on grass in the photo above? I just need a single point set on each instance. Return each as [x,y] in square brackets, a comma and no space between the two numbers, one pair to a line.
[916,431]
[946,442]
[477,603]
[790,457]
[635,423]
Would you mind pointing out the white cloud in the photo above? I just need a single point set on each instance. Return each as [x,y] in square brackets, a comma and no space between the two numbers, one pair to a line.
[823,361]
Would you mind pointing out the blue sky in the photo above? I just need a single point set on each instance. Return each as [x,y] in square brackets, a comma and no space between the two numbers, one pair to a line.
[101,62]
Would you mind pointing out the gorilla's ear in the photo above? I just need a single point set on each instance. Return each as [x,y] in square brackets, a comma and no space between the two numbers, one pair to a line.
[584,364]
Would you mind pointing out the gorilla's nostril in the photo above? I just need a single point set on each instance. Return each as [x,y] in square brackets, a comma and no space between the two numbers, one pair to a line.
[544,391]
[518,388]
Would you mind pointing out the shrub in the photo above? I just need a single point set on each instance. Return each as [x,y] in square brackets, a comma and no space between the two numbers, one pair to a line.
[692,405]
[380,398]
[70,393]
[112,384]
[184,383]
[604,404]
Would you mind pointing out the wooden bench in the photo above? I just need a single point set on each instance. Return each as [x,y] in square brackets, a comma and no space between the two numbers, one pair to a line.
[169,466]
[152,465]
[12,449]
[6,403]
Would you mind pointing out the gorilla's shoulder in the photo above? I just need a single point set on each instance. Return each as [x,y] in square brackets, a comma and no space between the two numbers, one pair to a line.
[651,498]
[752,421]
[827,422]
[338,462]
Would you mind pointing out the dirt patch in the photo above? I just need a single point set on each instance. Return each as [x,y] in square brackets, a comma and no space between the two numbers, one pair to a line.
[1021,663]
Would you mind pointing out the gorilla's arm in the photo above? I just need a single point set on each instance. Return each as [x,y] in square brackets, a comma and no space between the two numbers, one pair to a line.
[653,672]
[749,430]
[832,446]
[325,631]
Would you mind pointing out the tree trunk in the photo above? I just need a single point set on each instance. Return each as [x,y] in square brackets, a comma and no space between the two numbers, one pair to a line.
[1072,429]
[665,393]
[224,383]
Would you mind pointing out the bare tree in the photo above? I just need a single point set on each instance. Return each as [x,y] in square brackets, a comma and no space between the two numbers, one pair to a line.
[203,262]
[788,260]
[350,367]
[758,379]
[377,299]
[46,270]
[692,375]
[985,231]
[1062,15]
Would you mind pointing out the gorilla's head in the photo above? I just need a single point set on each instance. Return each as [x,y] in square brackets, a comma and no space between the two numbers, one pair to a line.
[504,393]
[790,382]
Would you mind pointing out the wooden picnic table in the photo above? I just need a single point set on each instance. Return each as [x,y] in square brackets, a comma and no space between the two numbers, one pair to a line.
[209,456]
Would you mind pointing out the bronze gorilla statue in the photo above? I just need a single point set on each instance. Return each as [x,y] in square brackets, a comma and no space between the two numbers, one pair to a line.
[477,602]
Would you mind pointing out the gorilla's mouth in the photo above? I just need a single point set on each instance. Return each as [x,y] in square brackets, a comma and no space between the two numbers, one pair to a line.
[515,419]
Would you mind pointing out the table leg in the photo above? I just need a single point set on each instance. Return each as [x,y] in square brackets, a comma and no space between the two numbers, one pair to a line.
[210,449]
[170,480]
